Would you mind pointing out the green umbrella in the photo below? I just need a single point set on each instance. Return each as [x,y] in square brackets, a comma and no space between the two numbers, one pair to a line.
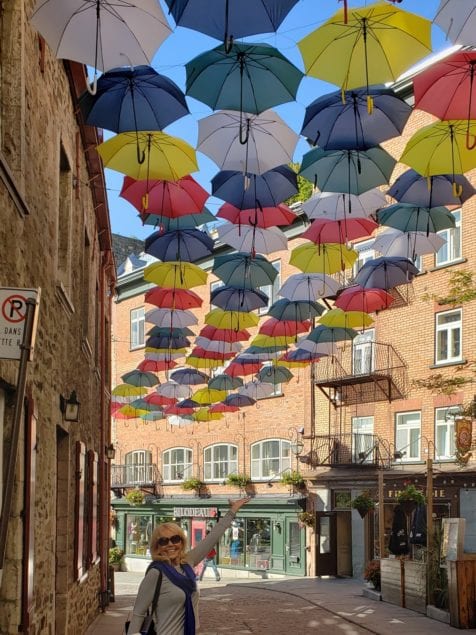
[225,382]
[412,218]
[322,334]
[244,271]
[275,375]
[140,378]
[248,78]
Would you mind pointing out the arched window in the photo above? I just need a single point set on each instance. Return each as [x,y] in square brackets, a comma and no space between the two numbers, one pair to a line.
[219,461]
[270,458]
[177,464]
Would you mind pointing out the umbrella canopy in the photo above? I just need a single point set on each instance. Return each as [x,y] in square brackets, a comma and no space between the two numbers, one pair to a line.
[159,331]
[338,206]
[172,318]
[235,299]
[327,258]
[314,349]
[368,300]
[330,334]
[339,231]
[252,239]
[240,400]
[350,171]
[156,366]
[246,191]
[139,378]
[431,191]
[128,390]
[346,319]
[173,298]
[299,358]
[231,319]
[205,414]
[257,390]
[386,272]
[247,142]
[189,377]
[187,245]
[175,409]
[148,155]
[283,328]
[243,270]
[274,375]
[165,198]
[165,224]
[159,400]
[205,353]
[242,367]
[155,415]
[165,342]
[221,407]
[407,217]
[393,242]
[309,286]
[173,390]
[217,346]
[129,99]
[243,77]
[200,362]
[263,217]
[224,335]
[366,45]
[206,396]
[294,310]
[179,275]
[102,34]
[341,121]
[457,19]
[225,382]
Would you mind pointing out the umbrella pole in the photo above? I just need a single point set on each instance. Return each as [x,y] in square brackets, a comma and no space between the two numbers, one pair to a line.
[228,39]
[470,145]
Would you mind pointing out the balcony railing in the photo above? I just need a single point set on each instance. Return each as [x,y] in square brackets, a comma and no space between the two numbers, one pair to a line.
[142,476]
[346,450]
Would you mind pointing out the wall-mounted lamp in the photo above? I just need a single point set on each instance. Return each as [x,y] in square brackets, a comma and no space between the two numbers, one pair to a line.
[110,451]
[69,406]
[277,526]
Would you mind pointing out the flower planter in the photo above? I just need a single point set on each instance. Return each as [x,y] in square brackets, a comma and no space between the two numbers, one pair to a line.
[363,511]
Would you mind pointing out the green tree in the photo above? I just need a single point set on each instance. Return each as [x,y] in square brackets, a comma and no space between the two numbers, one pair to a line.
[305,187]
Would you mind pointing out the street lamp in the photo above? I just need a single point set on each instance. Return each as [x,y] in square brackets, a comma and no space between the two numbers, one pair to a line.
[69,406]
[297,444]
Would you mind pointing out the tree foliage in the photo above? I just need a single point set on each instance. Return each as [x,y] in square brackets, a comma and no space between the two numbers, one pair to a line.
[305,187]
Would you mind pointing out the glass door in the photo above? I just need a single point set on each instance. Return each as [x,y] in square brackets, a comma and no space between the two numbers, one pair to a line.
[294,557]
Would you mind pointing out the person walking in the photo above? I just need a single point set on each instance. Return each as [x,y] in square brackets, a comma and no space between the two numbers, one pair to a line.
[171,572]
[210,562]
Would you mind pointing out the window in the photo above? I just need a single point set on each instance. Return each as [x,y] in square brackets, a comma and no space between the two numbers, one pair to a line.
[247,543]
[365,252]
[363,352]
[272,290]
[177,464]
[139,467]
[362,439]
[64,221]
[451,250]
[448,336]
[137,327]
[407,436]
[277,388]
[139,533]
[445,432]
[219,461]
[269,459]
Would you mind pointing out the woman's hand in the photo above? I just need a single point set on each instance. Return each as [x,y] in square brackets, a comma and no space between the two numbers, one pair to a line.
[238,504]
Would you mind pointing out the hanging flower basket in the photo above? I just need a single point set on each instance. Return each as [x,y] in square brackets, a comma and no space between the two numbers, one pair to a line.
[409,498]
[363,503]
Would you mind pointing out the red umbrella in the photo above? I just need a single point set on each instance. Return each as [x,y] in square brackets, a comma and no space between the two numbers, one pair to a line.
[204,354]
[242,368]
[156,366]
[339,231]
[223,407]
[165,198]
[166,298]
[159,400]
[177,410]
[278,328]
[358,298]
[224,335]
[263,217]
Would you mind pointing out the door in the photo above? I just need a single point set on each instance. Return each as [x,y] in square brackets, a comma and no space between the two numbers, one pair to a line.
[294,554]
[326,552]
[363,353]
[199,530]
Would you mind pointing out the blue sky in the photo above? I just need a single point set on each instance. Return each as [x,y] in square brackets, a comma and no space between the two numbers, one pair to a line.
[184,44]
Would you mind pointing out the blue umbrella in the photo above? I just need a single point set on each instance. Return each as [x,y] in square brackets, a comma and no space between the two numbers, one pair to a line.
[295,310]
[166,224]
[245,191]
[165,341]
[412,218]
[187,245]
[431,191]
[341,121]
[159,331]
[386,272]
[239,400]
[237,299]
[189,377]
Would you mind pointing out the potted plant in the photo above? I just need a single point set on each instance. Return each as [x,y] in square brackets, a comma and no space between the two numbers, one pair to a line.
[238,480]
[115,557]
[410,497]
[372,574]
[307,519]
[363,503]
[293,478]
[192,483]
[135,496]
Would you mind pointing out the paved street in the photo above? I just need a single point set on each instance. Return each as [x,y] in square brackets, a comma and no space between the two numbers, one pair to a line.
[260,607]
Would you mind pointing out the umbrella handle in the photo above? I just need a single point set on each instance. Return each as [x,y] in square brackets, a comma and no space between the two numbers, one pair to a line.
[140,156]
[470,144]
[228,43]
[458,189]
[244,139]
[145,202]
[370,104]
[93,87]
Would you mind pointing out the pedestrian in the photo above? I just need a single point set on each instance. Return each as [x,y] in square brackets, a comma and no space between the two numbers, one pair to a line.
[210,562]
[171,571]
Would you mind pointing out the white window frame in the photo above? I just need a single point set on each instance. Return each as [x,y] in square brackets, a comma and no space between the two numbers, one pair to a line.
[282,460]
[271,290]
[408,435]
[181,466]
[224,466]
[445,426]
[138,467]
[361,427]
[365,253]
[137,328]
[364,344]
[450,329]
[451,251]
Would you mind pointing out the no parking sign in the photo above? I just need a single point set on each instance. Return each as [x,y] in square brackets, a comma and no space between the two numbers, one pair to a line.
[13,309]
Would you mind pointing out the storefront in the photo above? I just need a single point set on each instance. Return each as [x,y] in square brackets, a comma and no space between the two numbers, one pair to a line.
[265,538]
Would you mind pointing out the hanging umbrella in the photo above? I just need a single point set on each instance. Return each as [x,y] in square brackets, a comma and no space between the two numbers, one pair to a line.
[263,353]
[252,239]
[339,231]
[338,206]
[156,415]
[172,318]
[132,99]
[299,358]
[407,217]
[102,34]
[159,400]
[241,400]
[346,319]
[187,245]
[245,191]
[128,412]
[172,390]
[165,224]
[256,390]
[341,121]
[247,142]
[287,328]
[175,409]
[180,421]
[189,377]
[431,191]
[366,45]
[327,258]
[224,335]
[386,272]
[231,319]
[274,375]
[393,242]
[368,300]
[350,171]
[242,367]
[165,198]
[315,349]
[218,347]
[128,390]
[262,341]
[179,275]
[309,286]
[156,366]
[222,407]
[163,355]
[457,19]
[294,310]
[144,406]
[165,342]
[206,396]
[148,155]
[200,362]
[139,378]
[160,331]
[330,334]
[225,382]
[173,298]
[263,217]
[204,414]
[235,299]
[243,77]
[243,270]
[232,19]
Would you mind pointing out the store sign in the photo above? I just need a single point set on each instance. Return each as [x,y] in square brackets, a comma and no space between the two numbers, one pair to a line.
[196,512]
[437,493]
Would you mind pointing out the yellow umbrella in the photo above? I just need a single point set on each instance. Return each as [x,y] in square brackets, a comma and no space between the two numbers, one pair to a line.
[201,362]
[129,412]
[175,275]
[236,320]
[209,395]
[148,155]
[326,258]
[265,341]
[128,390]
[346,319]
[205,415]
[373,46]
[291,364]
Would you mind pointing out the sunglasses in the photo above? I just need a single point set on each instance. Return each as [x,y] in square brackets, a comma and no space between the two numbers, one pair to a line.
[163,541]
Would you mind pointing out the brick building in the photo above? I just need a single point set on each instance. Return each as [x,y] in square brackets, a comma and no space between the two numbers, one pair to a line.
[55,236]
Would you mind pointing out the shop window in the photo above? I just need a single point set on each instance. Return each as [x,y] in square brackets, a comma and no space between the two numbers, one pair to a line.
[139,469]
[407,436]
[177,464]
[247,543]
[445,432]
[451,250]
[269,459]
[139,531]
[342,499]
[219,461]
[137,327]
[448,337]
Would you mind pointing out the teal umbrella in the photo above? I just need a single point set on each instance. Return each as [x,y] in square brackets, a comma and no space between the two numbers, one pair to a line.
[225,382]
[274,375]
[248,78]
[244,271]
[140,378]
[190,221]
[322,334]
[413,218]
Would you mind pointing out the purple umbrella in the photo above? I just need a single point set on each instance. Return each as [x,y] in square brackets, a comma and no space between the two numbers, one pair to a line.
[386,272]
[187,245]
[236,299]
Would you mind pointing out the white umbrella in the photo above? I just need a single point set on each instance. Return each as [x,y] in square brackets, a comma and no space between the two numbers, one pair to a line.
[102,34]
[457,18]
[322,348]
[175,318]
[337,205]
[270,142]
[162,357]
[177,420]
[252,239]
[257,390]
[173,390]
[309,287]
[217,346]
[393,242]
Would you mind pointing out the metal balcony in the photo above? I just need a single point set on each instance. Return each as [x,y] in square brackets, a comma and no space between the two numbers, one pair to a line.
[146,477]
[346,450]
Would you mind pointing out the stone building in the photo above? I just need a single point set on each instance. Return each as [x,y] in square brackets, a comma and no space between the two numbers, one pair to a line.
[55,237]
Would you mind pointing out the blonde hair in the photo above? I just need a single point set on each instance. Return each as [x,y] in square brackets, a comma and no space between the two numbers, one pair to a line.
[157,533]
